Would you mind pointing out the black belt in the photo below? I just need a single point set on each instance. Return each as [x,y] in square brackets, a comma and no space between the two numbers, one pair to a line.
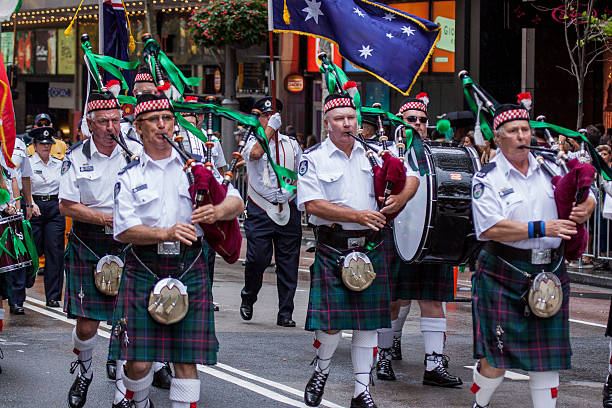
[85,226]
[343,240]
[140,249]
[533,256]
[45,197]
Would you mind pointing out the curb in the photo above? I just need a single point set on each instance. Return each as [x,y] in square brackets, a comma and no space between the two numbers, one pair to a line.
[592,279]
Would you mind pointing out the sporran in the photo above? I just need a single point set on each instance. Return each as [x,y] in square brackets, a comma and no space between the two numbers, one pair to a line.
[357,271]
[545,295]
[107,274]
[168,301]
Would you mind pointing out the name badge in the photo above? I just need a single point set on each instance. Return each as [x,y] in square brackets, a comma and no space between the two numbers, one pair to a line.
[169,248]
[37,171]
[505,191]
[86,167]
[139,188]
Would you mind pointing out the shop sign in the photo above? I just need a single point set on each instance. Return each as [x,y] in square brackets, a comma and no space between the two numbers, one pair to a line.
[61,95]
[294,83]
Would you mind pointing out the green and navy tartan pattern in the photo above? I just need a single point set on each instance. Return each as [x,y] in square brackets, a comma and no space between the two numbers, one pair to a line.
[527,342]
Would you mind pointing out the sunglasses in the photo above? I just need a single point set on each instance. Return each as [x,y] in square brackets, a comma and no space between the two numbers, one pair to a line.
[414,119]
[43,123]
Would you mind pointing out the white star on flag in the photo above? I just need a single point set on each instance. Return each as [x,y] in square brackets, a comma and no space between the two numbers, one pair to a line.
[389,16]
[390,35]
[358,12]
[365,51]
[408,31]
[313,9]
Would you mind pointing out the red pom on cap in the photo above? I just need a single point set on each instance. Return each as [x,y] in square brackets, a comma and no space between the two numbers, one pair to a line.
[349,84]
[164,87]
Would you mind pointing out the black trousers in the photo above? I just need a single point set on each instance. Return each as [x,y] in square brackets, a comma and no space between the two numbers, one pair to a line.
[49,228]
[264,235]
[16,283]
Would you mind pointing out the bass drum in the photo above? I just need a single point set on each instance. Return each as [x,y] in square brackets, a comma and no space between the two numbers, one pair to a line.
[436,224]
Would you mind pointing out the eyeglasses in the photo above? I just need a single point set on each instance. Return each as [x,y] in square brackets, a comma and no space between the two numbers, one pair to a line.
[155,119]
[105,122]
[414,119]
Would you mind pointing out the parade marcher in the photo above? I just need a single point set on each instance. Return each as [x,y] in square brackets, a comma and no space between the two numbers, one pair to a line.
[201,120]
[429,284]
[48,227]
[143,84]
[58,149]
[336,187]
[89,171]
[153,211]
[515,213]
[273,220]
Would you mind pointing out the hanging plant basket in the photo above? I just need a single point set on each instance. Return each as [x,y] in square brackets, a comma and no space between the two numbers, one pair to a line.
[241,23]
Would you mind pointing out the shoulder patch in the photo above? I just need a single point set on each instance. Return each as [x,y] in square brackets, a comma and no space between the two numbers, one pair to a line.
[66,165]
[130,165]
[74,146]
[303,168]
[478,190]
[313,148]
[117,189]
[485,169]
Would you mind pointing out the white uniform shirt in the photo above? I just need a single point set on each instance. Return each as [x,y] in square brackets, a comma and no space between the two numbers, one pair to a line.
[261,175]
[90,181]
[155,193]
[45,177]
[327,173]
[20,159]
[504,193]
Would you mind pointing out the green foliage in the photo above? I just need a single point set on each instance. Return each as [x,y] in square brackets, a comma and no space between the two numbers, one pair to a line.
[241,23]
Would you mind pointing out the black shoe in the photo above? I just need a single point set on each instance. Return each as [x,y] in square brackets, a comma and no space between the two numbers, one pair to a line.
[215,307]
[125,403]
[53,303]
[111,369]
[384,370]
[479,406]
[363,400]
[246,311]
[607,392]
[162,378]
[439,377]
[313,394]
[77,396]
[41,272]
[396,349]
[285,321]
[17,310]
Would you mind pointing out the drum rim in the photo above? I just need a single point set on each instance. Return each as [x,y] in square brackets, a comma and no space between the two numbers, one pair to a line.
[19,265]
[11,218]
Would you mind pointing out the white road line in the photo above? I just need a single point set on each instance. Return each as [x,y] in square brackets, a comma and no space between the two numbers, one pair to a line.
[104,331]
[588,323]
[511,375]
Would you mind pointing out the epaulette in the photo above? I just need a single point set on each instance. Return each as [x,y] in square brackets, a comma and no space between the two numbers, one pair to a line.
[312,148]
[74,146]
[130,165]
[485,169]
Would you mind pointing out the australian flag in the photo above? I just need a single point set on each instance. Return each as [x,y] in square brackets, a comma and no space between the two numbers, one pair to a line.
[392,45]
[116,37]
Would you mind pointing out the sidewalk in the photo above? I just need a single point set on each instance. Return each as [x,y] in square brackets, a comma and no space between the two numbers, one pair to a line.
[591,276]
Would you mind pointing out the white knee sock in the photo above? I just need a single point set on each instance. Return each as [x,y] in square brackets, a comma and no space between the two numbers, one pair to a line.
[84,351]
[184,392]
[363,348]
[484,387]
[544,387]
[119,386]
[138,390]
[433,330]
[157,366]
[385,338]
[326,345]
[398,324]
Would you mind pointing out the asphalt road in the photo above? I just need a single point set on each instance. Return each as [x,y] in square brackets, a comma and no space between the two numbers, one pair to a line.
[262,365]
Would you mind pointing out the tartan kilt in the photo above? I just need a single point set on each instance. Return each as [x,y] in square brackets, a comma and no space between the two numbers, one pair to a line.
[530,343]
[416,280]
[332,306]
[190,341]
[80,264]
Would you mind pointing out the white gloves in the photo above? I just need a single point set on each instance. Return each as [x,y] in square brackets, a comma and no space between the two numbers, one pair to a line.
[275,121]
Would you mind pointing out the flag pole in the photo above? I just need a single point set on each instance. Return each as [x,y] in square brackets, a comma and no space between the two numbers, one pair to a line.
[273,81]
[101,27]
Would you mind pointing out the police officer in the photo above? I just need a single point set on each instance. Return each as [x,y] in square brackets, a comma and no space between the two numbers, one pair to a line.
[88,172]
[273,220]
[335,186]
[49,226]
[58,149]
[430,284]
[515,213]
[154,212]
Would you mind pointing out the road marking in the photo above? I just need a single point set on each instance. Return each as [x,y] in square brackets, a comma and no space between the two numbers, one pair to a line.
[588,323]
[104,331]
[511,375]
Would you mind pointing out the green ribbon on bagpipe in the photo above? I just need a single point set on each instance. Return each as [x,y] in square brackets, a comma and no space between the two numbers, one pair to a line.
[111,65]
[176,77]
[328,69]
[282,173]
[484,123]
[28,238]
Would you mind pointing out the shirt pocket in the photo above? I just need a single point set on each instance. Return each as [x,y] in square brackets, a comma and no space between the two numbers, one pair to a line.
[147,206]
[91,185]
[331,183]
[512,202]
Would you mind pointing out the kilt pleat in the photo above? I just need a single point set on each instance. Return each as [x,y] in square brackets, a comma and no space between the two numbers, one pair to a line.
[190,341]
[82,298]
[332,306]
[529,342]
[415,280]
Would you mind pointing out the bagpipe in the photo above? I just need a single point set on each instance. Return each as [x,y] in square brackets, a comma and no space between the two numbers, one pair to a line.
[571,187]
[224,235]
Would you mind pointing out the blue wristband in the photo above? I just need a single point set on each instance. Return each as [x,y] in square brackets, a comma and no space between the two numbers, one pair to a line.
[530,229]
[543,228]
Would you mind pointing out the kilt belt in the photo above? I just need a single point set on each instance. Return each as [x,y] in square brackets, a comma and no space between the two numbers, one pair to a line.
[332,306]
[505,332]
[137,337]
[86,244]
[417,281]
